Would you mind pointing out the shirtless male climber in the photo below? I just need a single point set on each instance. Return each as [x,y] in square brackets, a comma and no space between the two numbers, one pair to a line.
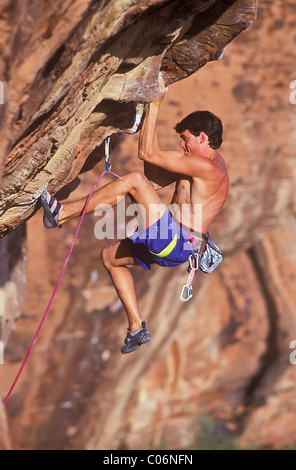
[200,177]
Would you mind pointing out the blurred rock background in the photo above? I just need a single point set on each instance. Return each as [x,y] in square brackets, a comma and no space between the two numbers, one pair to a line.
[217,370]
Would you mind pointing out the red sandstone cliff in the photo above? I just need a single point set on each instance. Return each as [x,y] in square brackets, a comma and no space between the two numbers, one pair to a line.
[225,354]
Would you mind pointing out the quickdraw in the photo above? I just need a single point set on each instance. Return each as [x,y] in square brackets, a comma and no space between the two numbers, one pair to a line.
[186,292]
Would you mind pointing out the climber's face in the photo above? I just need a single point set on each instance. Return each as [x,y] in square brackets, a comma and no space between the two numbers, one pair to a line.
[192,144]
[189,143]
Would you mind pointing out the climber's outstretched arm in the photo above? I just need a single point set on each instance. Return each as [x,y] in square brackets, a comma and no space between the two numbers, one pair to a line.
[148,145]
[170,161]
[148,139]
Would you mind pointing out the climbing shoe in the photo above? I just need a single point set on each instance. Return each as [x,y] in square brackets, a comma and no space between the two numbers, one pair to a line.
[52,208]
[134,339]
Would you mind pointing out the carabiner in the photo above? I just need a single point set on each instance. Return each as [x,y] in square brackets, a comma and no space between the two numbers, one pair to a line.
[193,261]
[189,293]
[108,165]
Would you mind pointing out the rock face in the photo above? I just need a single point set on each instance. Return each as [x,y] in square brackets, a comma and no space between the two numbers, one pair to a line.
[13,277]
[13,290]
[223,359]
[74,72]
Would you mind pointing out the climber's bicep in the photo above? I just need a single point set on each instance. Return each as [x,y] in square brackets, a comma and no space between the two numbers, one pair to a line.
[188,165]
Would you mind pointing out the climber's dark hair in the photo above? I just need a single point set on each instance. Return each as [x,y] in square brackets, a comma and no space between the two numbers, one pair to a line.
[203,121]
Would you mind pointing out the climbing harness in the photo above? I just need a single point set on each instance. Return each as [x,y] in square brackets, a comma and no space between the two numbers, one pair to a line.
[186,292]
[106,172]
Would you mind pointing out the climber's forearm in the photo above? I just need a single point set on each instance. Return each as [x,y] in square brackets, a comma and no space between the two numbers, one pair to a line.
[149,149]
[148,140]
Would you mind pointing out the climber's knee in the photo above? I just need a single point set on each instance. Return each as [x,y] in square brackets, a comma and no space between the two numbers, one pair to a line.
[117,255]
[137,181]
[106,257]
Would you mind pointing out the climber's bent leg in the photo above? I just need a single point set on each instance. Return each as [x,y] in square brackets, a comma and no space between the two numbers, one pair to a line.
[115,259]
[134,184]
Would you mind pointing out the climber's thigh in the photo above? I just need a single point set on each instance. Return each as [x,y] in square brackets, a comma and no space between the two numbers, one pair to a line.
[149,205]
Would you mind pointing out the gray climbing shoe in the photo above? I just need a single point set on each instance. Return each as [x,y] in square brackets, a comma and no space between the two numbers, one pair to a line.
[134,339]
[52,208]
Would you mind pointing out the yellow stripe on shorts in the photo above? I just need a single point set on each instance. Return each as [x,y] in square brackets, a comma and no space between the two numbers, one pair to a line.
[168,249]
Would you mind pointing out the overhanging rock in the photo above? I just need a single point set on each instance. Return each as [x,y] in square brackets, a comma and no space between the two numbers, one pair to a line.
[74,72]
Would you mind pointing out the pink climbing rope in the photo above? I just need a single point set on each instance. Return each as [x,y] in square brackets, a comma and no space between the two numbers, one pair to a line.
[57,284]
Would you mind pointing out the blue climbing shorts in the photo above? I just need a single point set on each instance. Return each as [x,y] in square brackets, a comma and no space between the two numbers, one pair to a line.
[166,243]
